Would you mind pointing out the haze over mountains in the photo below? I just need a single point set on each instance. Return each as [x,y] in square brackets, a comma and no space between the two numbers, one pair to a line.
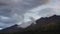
[47,24]
[16,11]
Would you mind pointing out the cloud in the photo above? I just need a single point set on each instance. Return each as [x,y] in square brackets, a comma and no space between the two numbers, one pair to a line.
[45,10]
[17,11]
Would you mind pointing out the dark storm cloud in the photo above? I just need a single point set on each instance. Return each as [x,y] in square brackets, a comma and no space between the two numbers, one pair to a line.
[27,5]
[16,11]
[12,10]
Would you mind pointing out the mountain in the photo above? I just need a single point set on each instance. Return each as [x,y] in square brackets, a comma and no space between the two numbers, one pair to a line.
[44,21]
[44,24]
[11,29]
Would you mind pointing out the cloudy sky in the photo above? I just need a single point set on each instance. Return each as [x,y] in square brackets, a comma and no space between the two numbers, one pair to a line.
[18,11]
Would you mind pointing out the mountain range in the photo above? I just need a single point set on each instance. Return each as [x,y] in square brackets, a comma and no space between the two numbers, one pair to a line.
[44,24]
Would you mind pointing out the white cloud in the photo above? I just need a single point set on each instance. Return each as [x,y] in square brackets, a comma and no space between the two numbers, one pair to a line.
[1,28]
[4,18]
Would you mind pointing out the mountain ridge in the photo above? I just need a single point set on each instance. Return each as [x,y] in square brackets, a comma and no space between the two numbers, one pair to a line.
[42,24]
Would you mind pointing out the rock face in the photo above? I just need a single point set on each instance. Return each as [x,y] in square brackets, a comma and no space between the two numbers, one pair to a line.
[47,24]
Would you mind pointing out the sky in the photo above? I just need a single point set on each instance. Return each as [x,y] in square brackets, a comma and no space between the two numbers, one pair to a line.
[21,11]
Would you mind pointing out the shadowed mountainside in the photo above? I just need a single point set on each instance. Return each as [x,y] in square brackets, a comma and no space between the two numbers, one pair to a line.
[47,25]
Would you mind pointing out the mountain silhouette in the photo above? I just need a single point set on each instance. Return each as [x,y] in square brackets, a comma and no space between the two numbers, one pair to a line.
[11,29]
[43,24]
